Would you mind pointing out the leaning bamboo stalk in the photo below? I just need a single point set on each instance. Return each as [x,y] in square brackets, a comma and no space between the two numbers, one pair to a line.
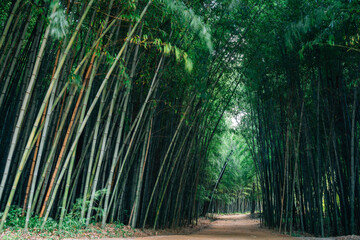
[132,74]
[97,157]
[75,111]
[87,180]
[7,54]
[64,145]
[135,209]
[72,131]
[35,36]
[118,139]
[169,177]
[49,161]
[32,170]
[67,184]
[182,181]
[48,113]
[92,169]
[24,108]
[90,111]
[131,161]
[67,187]
[124,160]
[14,61]
[8,23]
[102,152]
[33,183]
[92,151]
[35,126]
[39,149]
[84,104]
[165,160]
[136,124]
[79,169]
[59,117]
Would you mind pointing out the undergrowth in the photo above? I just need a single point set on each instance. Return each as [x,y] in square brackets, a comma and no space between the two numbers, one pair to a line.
[72,225]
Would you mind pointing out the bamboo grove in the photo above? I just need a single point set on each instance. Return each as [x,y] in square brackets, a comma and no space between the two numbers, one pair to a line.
[302,114]
[118,111]
[108,109]
[230,174]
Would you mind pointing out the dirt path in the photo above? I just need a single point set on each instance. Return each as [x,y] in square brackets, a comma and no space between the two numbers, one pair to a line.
[228,227]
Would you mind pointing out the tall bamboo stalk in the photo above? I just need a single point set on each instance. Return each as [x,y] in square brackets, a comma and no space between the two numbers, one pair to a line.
[8,23]
[35,126]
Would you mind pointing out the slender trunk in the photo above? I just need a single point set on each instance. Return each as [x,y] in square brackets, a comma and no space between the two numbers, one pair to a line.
[8,23]
[352,166]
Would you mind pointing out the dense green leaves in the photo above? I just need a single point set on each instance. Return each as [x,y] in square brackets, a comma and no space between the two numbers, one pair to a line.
[239,175]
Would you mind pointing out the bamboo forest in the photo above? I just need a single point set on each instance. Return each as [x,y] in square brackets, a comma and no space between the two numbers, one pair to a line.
[152,114]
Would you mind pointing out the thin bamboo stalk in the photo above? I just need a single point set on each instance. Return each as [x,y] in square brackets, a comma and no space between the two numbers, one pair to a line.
[90,111]
[23,109]
[57,73]
[8,23]
[165,159]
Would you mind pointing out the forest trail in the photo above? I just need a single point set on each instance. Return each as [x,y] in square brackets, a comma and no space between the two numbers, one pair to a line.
[228,227]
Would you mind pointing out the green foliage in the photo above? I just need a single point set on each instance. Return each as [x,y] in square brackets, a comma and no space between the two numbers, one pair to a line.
[75,80]
[5,6]
[187,14]
[76,210]
[72,224]
[323,25]
[240,173]
[16,221]
[188,65]
[59,23]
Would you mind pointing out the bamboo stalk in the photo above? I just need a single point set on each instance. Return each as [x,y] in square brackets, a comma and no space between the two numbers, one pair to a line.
[8,23]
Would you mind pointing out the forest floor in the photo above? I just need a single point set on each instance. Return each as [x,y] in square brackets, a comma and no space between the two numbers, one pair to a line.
[228,227]
[238,226]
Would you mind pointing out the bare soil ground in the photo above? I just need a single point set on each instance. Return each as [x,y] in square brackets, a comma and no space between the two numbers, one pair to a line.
[227,227]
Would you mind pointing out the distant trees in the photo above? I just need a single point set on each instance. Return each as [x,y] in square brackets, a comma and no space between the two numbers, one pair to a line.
[229,158]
